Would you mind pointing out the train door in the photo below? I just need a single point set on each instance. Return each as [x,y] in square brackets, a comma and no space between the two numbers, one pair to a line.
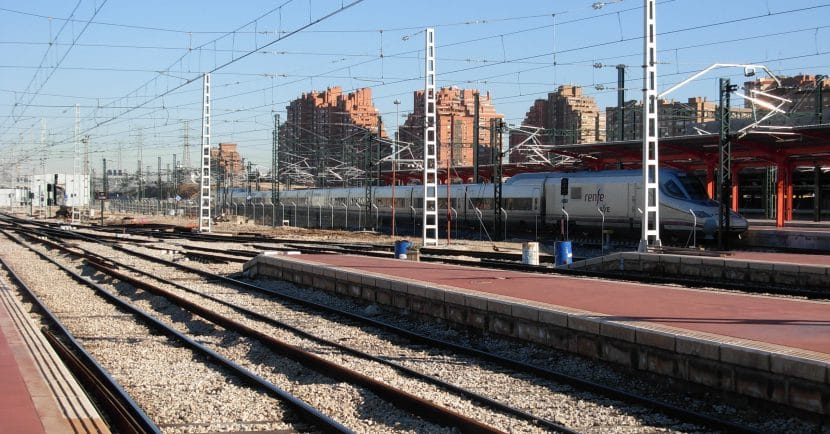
[552,201]
[464,206]
[541,203]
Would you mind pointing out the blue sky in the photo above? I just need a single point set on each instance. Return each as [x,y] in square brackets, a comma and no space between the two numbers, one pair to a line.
[143,53]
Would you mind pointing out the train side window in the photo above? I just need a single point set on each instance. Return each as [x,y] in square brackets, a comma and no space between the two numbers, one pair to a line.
[576,192]
[518,203]
[694,188]
[672,189]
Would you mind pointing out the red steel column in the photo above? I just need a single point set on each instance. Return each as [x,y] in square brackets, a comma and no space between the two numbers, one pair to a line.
[735,180]
[789,193]
[779,196]
[710,180]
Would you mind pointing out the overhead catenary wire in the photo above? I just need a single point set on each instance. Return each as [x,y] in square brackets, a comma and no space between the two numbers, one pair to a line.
[217,68]
[517,61]
[34,94]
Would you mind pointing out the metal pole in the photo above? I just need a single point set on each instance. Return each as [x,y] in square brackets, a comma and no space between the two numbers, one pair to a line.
[367,166]
[106,190]
[429,234]
[158,182]
[204,195]
[496,139]
[602,232]
[275,190]
[449,174]
[175,177]
[475,137]
[376,159]
[248,175]
[621,100]
[820,98]
[397,103]
[651,162]
[725,171]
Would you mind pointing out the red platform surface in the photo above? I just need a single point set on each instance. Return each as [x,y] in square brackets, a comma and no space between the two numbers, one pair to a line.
[17,409]
[788,322]
[789,258]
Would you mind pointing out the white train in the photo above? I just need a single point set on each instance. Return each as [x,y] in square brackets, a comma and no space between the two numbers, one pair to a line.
[530,202]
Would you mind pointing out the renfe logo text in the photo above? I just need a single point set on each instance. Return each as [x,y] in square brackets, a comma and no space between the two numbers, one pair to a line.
[597,197]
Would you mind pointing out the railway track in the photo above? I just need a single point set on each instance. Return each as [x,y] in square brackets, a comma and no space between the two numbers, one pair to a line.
[435,415]
[519,369]
[100,315]
[124,414]
[486,259]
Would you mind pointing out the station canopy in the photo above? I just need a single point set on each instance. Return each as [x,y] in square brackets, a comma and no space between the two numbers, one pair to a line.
[786,148]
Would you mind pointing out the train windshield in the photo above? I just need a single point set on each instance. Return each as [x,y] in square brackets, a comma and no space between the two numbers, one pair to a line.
[693,187]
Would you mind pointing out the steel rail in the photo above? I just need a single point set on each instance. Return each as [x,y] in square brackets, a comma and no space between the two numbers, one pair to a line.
[624,395]
[306,411]
[210,257]
[124,413]
[514,364]
[407,371]
[397,397]
[237,252]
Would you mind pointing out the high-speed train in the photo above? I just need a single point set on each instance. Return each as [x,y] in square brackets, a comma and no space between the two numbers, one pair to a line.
[530,201]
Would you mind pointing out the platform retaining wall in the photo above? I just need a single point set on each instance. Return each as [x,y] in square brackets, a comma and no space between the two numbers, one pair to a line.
[715,269]
[781,375]
[778,239]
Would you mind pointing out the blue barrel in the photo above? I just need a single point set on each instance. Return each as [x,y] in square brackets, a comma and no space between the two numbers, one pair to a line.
[401,246]
[564,255]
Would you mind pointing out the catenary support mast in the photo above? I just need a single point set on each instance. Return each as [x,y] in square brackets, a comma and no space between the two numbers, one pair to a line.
[275,192]
[430,180]
[204,196]
[651,191]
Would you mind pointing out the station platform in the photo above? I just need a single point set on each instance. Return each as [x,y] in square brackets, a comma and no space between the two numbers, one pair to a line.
[38,394]
[805,273]
[795,235]
[770,348]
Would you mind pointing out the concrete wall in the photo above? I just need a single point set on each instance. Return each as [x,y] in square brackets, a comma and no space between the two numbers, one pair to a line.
[810,277]
[806,240]
[768,372]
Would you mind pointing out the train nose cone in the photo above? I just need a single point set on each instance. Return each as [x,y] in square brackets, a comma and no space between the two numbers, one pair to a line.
[737,222]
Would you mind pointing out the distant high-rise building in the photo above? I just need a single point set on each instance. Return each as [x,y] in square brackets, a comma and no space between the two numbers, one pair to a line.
[322,129]
[675,118]
[454,116]
[568,115]
[801,90]
[227,160]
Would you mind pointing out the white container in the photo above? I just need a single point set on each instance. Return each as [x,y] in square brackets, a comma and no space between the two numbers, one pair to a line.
[530,253]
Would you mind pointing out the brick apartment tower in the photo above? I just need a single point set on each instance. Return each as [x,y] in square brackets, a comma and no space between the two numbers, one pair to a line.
[228,161]
[455,110]
[327,129]
[676,118]
[570,117]
[801,90]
